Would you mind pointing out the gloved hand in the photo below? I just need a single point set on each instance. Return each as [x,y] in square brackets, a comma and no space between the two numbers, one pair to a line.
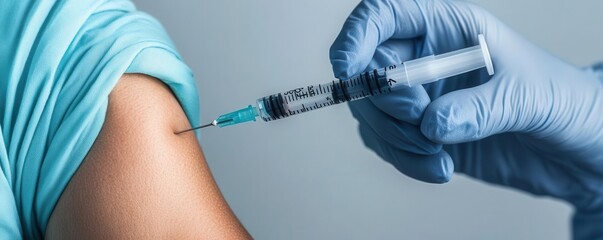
[535,125]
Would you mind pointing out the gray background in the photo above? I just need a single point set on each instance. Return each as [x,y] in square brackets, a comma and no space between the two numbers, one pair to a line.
[319,181]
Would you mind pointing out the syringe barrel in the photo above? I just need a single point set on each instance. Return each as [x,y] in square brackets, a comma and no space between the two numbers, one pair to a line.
[411,73]
[304,99]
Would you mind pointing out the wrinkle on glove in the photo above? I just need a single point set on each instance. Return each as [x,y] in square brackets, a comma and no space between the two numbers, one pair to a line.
[59,60]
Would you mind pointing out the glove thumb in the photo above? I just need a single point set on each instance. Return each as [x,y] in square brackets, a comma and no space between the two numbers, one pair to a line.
[476,113]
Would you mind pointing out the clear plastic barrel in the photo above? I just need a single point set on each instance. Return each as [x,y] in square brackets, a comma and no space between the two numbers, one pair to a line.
[407,74]
[313,97]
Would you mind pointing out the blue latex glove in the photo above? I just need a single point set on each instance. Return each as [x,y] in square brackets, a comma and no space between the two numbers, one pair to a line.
[535,125]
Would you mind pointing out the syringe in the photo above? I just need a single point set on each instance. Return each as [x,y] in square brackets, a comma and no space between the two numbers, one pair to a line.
[407,74]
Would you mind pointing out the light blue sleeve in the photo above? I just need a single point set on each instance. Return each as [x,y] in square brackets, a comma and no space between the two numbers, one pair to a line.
[59,60]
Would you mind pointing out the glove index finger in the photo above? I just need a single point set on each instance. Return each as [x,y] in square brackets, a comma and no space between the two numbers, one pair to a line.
[405,104]
[371,23]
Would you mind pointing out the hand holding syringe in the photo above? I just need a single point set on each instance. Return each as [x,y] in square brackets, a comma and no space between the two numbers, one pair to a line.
[414,72]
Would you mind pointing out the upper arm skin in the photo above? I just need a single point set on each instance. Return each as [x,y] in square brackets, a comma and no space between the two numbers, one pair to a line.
[140,180]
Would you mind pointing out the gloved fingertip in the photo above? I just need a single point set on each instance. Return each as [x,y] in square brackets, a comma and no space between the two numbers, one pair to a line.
[406,104]
[447,122]
[342,67]
[437,168]
[444,172]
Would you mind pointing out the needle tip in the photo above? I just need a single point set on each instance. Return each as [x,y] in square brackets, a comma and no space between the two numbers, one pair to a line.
[213,123]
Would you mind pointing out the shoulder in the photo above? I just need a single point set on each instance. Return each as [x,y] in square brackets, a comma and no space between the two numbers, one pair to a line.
[140,101]
[140,180]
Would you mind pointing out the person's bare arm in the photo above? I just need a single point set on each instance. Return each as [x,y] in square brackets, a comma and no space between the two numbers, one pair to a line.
[140,180]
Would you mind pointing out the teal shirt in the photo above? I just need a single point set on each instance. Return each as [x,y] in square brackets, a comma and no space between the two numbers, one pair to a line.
[59,60]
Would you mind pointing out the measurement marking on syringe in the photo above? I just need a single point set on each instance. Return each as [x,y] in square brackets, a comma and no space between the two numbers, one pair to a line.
[368,84]
[363,93]
[376,76]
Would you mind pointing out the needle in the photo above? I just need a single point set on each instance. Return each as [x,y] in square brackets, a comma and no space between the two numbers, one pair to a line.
[195,128]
